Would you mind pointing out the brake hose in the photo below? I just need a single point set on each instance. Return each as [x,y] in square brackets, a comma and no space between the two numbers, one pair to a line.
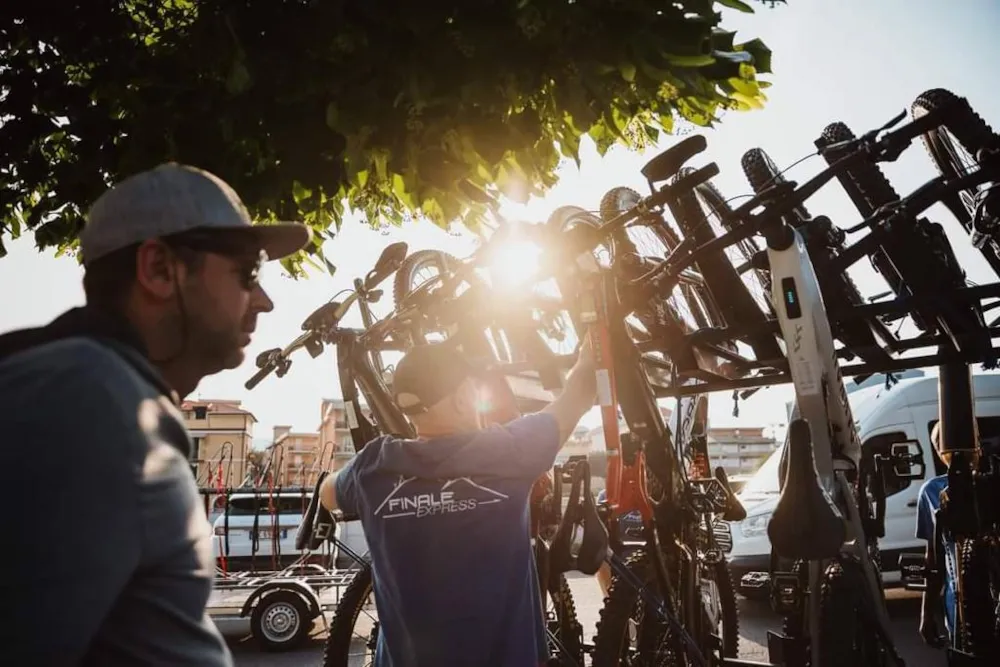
[270,510]
[254,541]
[221,491]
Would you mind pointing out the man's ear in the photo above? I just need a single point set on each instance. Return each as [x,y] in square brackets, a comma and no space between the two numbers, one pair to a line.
[156,270]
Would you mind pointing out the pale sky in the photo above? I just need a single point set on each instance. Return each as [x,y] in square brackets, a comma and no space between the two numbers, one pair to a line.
[858,61]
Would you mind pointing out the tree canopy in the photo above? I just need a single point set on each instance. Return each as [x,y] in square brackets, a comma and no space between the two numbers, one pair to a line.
[312,107]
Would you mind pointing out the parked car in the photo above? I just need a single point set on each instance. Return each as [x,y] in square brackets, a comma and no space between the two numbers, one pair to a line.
[907,411]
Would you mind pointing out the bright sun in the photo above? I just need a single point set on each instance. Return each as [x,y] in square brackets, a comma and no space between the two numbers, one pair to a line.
[515,264]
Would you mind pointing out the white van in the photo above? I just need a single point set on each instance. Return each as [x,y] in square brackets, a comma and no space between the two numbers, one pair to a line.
[234,548]
[906,411]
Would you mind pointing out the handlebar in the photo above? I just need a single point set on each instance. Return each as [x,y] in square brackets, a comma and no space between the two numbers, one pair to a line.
[781,199]
[279,360]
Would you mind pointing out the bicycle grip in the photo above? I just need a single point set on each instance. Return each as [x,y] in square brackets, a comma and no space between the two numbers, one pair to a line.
[258,376]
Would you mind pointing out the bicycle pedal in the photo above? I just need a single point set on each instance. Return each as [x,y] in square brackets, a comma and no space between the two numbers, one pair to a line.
[786,593]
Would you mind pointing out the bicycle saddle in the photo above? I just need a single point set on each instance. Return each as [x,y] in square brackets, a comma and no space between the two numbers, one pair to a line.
[806,524]
[317,523]
[666,165]
[734,508]
[321,317]
[581,541]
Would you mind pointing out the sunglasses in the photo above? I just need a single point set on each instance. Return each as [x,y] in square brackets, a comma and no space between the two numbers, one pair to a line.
[242,250]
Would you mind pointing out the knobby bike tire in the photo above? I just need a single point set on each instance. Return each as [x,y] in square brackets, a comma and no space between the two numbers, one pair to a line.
[623,605]
[747,248]
[978,633]
[869,189]
[404,282]
[847,634]
[838,290]
[336,651]
[733,296]
[696,300]
[966,128]
[921,254]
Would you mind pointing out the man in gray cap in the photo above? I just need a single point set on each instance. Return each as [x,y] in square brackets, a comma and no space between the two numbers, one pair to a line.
[112,549]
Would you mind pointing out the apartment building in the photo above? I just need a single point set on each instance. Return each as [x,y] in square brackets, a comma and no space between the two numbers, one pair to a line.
[298,457]
[739,450]
[221,433]
[335,432]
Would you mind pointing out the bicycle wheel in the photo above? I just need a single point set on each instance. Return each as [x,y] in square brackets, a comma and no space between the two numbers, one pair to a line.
[348,645]
[734,297]
[920,255]
[425,266]
[662,320]
[953,147]
[978,631]
[629,635]
[838,289]
[740,254]
[652,239]
[847,626]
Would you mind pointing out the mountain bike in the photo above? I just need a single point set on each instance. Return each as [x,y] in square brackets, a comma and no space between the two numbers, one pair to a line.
[825,241]
[961,145]
[956,146]
[909,245]
[361,374]
[809,522]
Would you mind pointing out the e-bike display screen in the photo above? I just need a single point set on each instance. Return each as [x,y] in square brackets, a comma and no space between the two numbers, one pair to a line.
[790,295]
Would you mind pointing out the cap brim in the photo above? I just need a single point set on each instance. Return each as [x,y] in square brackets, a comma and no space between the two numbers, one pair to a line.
[282,239]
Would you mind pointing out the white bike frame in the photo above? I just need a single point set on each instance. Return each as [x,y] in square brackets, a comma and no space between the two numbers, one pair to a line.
[821,399]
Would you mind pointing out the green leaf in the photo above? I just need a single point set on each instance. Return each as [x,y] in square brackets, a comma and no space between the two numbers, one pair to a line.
[688,61]
[332,115]
[627,70]
[761,55]
[738,5]
[239,80]
[300,193]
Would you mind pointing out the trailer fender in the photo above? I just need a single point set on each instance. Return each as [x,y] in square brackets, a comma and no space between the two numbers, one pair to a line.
[307,593]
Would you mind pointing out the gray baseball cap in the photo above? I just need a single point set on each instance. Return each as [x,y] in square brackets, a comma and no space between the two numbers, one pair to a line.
[175,198]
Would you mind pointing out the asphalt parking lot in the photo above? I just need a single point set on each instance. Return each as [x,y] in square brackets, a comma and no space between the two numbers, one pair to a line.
[755,620]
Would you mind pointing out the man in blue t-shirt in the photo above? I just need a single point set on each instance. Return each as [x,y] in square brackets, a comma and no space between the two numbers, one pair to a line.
[939,598]
[446,515]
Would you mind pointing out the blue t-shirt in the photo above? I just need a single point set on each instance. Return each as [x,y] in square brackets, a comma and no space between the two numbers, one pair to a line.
[447,523]
[929,500]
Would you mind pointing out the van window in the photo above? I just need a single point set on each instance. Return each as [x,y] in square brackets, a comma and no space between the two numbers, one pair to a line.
[882,445]
[283,504]
[989,440]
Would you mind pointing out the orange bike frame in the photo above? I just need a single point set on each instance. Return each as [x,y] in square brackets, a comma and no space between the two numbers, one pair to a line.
[626,484]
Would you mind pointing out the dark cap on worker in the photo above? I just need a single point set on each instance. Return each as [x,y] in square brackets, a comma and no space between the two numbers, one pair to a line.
[174,198]
[427,374]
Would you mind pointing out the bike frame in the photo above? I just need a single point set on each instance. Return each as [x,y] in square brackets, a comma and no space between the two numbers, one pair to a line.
[822,401]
